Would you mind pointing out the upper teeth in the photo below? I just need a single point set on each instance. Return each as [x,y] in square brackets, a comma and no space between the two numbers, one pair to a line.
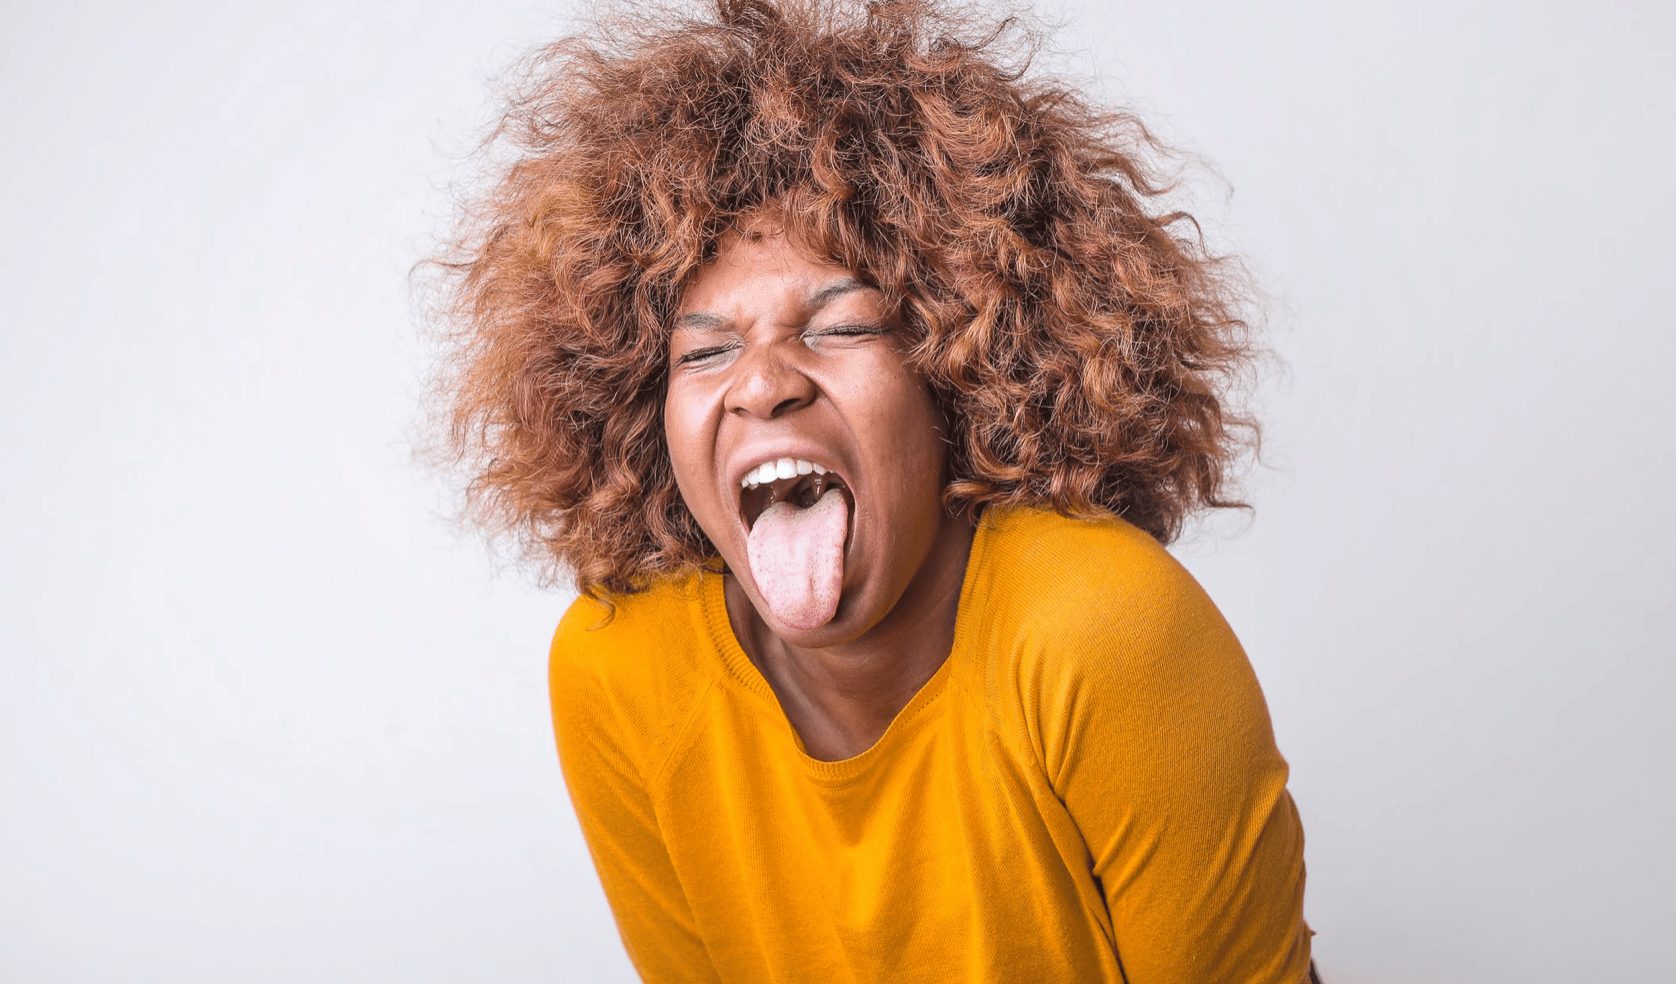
[779,468]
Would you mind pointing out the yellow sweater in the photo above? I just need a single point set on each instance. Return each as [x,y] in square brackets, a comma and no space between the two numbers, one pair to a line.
[1088,789]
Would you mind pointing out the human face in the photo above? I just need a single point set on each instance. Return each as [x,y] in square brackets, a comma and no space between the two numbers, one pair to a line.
[777,355]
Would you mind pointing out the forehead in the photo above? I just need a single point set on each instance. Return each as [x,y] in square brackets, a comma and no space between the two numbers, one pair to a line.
[758,263]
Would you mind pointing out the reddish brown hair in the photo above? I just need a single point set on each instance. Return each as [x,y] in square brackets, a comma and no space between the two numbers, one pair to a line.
[1081,348]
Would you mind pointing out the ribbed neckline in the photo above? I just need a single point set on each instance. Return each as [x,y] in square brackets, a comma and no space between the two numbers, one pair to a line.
[744,672]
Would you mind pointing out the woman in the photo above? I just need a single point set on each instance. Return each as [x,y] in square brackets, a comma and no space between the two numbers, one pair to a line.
[849,376]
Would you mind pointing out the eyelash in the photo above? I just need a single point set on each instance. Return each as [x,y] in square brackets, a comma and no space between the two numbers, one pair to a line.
[842,331]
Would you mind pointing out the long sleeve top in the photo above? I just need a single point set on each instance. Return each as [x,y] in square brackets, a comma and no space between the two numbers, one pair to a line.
[1087,789]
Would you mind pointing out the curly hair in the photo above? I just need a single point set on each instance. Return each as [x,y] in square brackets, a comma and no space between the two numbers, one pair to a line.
[1083,352]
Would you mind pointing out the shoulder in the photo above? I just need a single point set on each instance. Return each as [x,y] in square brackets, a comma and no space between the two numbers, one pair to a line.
[628,671]
[597,631]
[1088,582]
[1095,628]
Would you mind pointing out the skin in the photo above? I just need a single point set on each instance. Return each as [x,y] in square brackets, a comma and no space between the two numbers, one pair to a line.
[752,360]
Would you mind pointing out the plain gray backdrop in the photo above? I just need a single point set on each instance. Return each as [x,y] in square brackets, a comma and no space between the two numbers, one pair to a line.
[267,717]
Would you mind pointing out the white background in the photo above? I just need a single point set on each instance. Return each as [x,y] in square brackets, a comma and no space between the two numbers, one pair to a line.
[264,716]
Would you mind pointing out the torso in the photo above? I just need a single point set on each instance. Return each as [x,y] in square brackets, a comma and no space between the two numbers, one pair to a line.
[938,847]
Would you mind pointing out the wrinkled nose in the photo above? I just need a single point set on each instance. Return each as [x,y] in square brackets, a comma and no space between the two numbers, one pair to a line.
[767,385]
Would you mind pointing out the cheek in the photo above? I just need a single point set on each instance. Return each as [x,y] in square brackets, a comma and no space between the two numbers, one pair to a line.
[903,417]
[689,435]
[680,438]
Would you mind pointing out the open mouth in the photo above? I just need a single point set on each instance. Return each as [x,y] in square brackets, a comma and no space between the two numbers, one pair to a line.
[801,491]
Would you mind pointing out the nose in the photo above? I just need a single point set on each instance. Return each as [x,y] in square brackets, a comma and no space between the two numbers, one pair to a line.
[767,385]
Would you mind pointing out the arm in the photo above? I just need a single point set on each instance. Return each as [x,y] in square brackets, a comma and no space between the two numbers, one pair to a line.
[621,828]
[1167,764]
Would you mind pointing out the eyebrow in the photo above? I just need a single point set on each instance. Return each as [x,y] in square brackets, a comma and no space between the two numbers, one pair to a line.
[703,321]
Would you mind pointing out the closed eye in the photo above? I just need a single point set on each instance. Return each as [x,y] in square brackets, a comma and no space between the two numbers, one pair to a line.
[699,355]
[843,330]
[839,331]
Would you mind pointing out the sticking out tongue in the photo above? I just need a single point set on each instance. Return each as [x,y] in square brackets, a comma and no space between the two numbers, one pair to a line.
[797,559]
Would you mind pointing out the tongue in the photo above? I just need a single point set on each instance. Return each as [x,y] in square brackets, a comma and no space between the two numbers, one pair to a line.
[797,559]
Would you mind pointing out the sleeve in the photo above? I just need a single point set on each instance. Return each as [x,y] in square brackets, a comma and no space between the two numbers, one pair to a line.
[1164,756]
[620,826]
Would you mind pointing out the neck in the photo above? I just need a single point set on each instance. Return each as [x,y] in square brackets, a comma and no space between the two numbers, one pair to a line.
[841,698]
